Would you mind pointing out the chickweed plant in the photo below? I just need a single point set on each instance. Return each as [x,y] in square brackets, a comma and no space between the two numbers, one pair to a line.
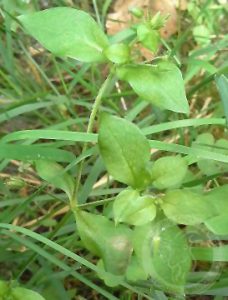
[158,220]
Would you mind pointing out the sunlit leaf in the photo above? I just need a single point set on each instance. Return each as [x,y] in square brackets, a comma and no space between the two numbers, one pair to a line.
[129,207]
[125,161]
[160,84]
[67,32]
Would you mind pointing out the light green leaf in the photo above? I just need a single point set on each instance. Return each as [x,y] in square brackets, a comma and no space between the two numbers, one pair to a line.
[34,152]
[109,279]
[19,293]
[54,174]
[135,272]
[162,251]
[222,85]
[186,207]
[131,208]
[218,198]
[160,84]
[118,53]
[104,239]
[67,32]
[125,151]
[206,141]
[218,225]
[201,34]
[4,288]
[168,172]
[148,37]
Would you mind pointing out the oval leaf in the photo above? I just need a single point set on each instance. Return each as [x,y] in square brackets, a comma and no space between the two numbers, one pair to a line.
[186,207]
[160,84]
[104,239]
[169,172]
[218,199]
[67,32]
[218,225]
[131,208]
[54,174]
[163,252]
[125,151]
[19,293]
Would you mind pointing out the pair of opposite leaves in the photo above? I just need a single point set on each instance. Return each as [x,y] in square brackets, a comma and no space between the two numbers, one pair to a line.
[17,293]
[73,33]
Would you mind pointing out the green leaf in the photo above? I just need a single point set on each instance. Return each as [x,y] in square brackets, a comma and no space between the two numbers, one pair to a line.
[218,199]
[19,293]
[34,152]
[148,37]
[168,172]
[222,85]
[67,32]
[109,279]
[104,239]
[4,288]
[186,207]
[131,208]
[218,225]
[54,174]
[206,141]
[125,161]
[118,53]
[162,251]
[135,272]
[160,84]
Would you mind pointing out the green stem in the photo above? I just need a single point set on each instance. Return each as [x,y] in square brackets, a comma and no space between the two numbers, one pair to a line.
[92,117]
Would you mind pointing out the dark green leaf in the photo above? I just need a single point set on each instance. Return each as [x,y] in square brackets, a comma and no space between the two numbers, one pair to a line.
[160,84]
[104,239]
[125,151]
[168,172]
[186,207]
[54,174]
[131,208]
[67,32]
[163,252]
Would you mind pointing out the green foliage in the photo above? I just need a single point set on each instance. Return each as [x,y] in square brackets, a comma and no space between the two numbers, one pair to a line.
[129,207]
[7,291]
[118,53]
[124,161]
[104,239]
[67,32]
[54,174]
[168,172]
[163,252]
[151,253]
[186,207]
[207,141]
[157,84]
[148,37]
[218,225]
